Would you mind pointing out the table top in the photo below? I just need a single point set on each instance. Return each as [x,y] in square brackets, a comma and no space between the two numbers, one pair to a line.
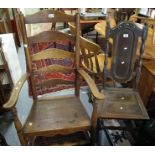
[93,18]
[93,15]
[91,21]
[149,51]
[85,23]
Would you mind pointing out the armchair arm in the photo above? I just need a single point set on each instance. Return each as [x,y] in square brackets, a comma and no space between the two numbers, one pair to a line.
[92,85]
[15,92]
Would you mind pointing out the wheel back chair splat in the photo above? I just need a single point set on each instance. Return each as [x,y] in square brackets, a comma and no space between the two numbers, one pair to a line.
[92,56]
[52,116]
[123,103]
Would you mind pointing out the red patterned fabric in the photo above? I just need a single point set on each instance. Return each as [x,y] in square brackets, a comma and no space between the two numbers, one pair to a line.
[37,47]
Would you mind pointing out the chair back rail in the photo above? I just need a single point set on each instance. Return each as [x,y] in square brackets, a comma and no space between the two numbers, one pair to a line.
[53,53]
[49,16]
[47,36]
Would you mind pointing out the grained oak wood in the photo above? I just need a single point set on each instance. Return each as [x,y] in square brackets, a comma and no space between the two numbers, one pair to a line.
[54,116]
[101,26]
[92,85]
[92,56]
[15,92]
[121,103]
[57,115]
[93,69]
[49,16]
[72,27]
[150,65]
[48,36]
[53,53]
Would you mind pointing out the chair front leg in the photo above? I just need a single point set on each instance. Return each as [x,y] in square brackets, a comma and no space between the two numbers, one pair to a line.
[94,123]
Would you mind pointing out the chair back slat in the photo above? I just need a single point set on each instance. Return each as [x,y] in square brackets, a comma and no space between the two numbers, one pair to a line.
[54,68]
[53,53]
[48,36]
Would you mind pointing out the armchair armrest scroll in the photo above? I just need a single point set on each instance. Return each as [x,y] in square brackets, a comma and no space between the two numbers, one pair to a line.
[98,95]
[15,92]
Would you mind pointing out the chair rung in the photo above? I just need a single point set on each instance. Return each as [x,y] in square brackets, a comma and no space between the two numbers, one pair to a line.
[74,139]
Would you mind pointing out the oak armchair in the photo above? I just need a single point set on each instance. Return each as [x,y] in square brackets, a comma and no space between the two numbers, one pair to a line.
[54,116]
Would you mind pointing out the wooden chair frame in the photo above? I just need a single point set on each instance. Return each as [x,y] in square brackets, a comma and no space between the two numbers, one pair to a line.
[92,56]
[53,16]
[123,103]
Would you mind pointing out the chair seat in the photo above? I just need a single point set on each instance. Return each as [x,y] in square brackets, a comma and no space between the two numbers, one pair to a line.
[101,59]
[121,103]
[49,117]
